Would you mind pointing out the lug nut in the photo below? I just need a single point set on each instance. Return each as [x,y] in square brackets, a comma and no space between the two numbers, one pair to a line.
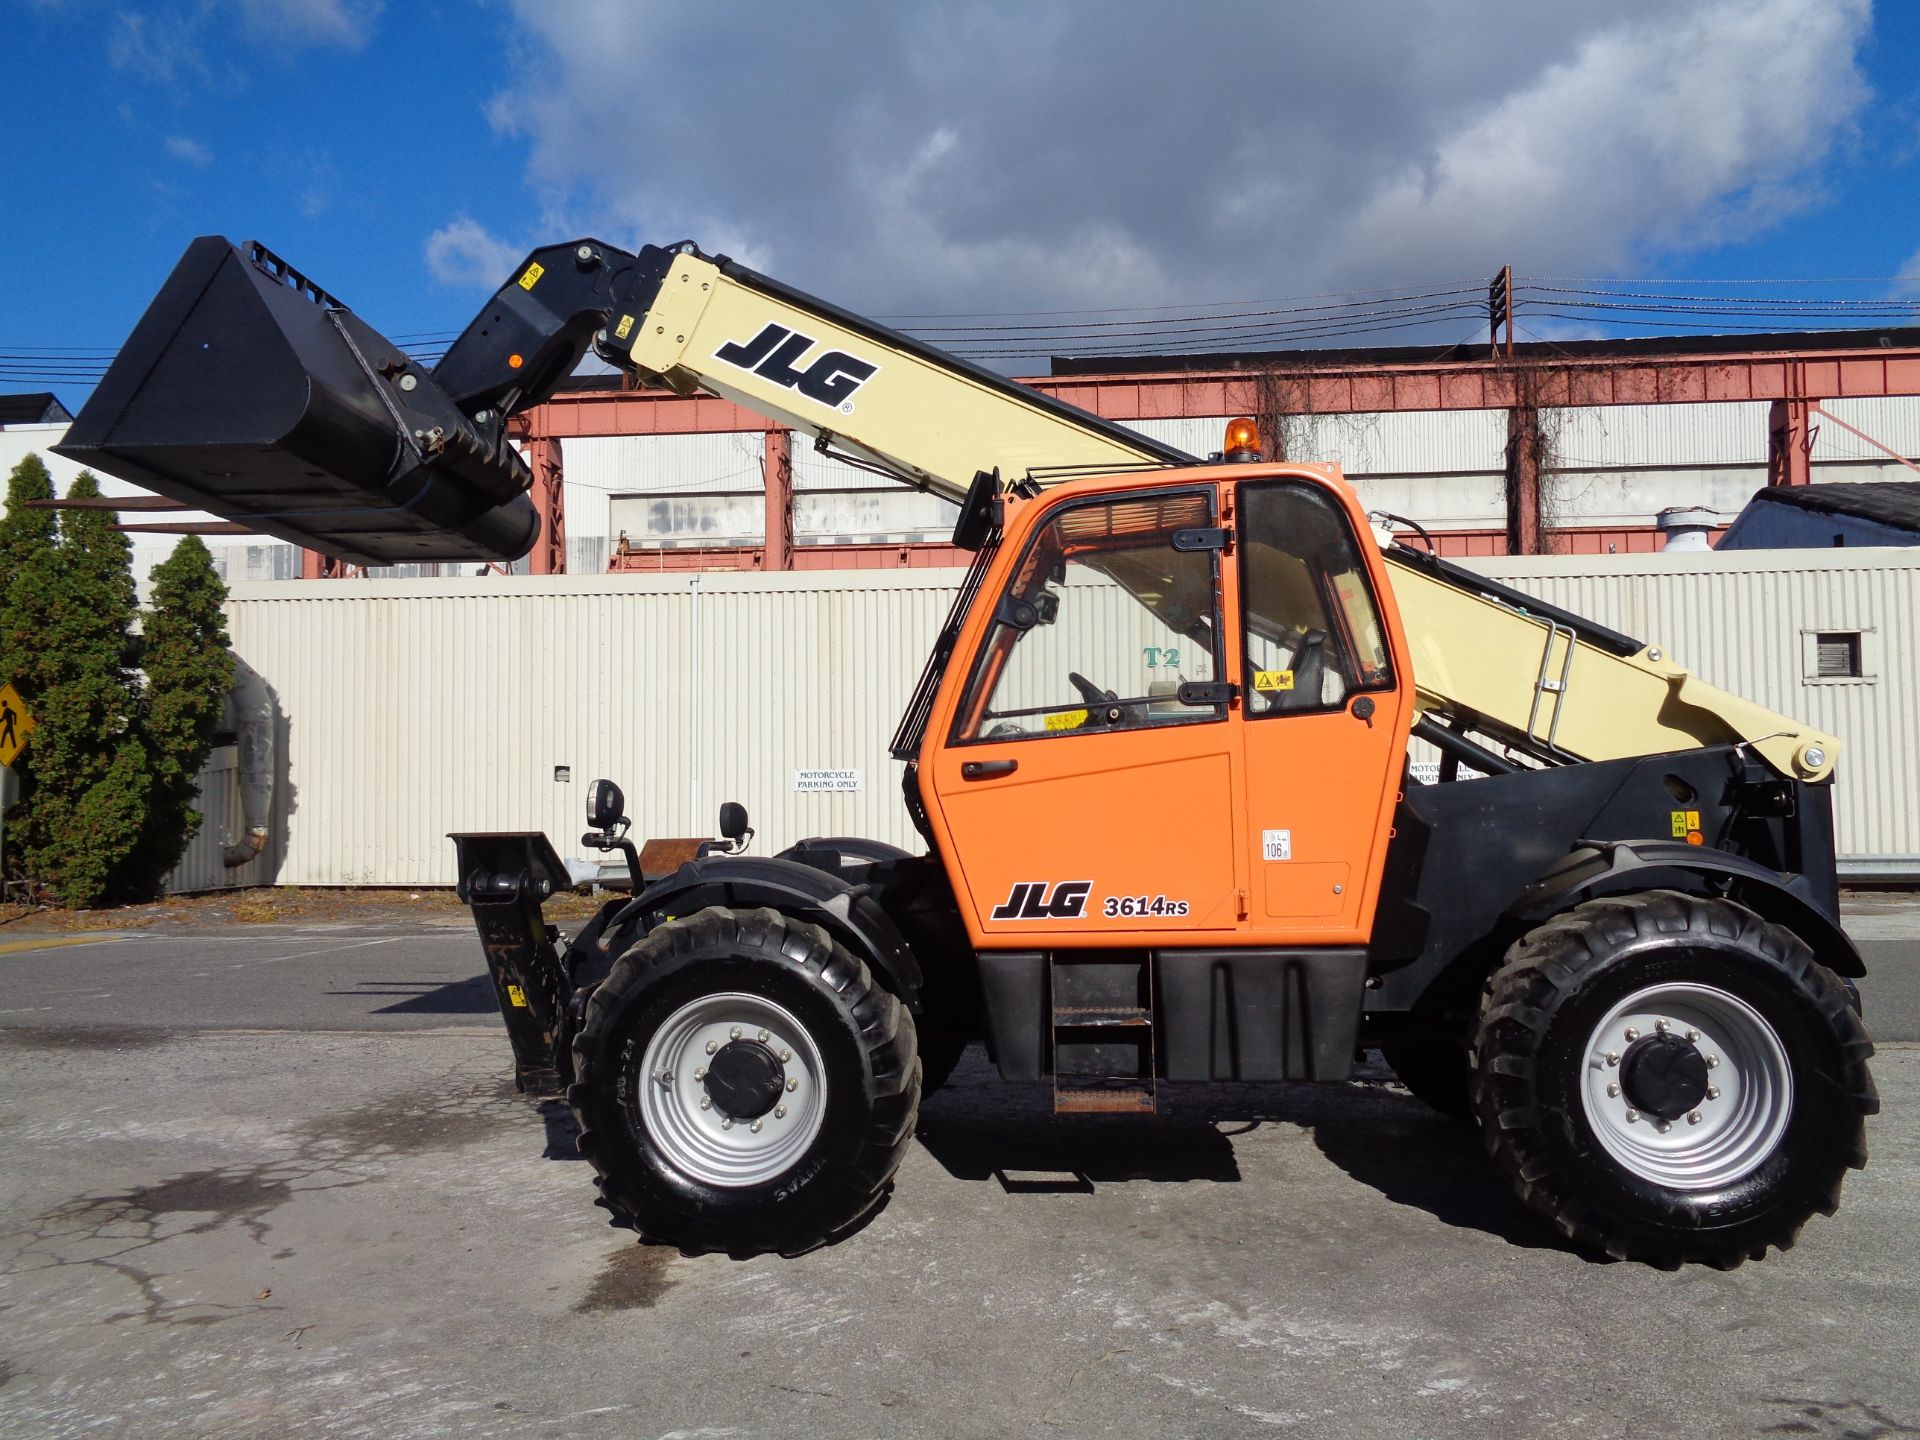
[1665,1125]
[1693,1117]
[734,1033]
[1713,1092]
[727,1124]
[779,1112]
[712,1045]
[754,1127]
[1712,1061]
[793,1084]
[706,1102]
[701,1073]
[1693,1035]
[762,1037]
[785,1056]
[1613,1092]
[1632,1115]
[1661,1026]
[1632,1034]
[1613,1057]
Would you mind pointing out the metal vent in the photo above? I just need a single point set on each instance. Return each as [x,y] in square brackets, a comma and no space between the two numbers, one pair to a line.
[1837,654]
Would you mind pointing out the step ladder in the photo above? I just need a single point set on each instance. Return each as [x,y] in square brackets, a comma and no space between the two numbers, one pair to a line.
[1102,1032]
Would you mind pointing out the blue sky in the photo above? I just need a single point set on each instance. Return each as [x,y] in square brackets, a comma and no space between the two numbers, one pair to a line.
[963,158]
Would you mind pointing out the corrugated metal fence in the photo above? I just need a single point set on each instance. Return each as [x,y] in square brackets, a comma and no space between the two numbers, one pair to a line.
[407,709]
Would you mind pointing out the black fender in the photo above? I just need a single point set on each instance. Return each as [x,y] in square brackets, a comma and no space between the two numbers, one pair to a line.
[1614,867]
[848,912]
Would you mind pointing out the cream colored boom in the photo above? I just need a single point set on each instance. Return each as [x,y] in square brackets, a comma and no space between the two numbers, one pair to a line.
[934,422]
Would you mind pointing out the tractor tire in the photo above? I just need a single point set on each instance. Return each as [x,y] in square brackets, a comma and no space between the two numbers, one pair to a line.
[743,1084]
[1672,1079]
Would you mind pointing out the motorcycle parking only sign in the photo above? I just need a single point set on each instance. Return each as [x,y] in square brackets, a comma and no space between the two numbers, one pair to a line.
[825,782]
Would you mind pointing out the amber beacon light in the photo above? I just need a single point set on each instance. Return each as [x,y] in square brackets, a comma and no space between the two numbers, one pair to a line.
[1243,439]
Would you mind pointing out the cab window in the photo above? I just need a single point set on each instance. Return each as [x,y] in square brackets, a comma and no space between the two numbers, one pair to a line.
[1102,622]
[1312,630]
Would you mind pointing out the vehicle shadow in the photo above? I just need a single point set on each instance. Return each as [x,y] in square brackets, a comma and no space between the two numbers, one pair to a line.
[980,1128]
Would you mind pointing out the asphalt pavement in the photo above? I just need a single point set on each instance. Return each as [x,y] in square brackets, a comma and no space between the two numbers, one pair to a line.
[272,1181]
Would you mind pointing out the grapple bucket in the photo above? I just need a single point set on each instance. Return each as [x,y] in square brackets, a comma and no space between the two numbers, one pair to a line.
[250,393]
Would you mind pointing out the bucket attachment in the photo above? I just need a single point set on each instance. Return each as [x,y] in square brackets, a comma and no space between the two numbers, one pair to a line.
[248,392]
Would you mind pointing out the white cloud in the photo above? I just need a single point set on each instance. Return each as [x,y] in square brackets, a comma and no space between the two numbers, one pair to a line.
[465,253]
[168,44]
[189,151]
[1910,275]
[979,156]
[158,47]
[293,23]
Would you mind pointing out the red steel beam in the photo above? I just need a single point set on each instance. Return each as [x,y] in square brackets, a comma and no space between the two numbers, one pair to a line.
[1337,389]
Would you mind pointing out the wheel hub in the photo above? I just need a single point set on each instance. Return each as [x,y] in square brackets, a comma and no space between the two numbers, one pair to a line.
[745,1079]
[1663,1075]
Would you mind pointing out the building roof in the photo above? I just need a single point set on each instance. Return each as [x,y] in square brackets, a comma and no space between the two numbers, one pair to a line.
[1639,347]
[38,408]
[1885,502]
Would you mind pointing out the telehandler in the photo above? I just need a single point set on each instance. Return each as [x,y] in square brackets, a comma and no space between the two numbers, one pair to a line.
[1607,936]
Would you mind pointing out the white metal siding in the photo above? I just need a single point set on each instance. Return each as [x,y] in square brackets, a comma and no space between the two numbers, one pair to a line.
[411,708]
[1739,620]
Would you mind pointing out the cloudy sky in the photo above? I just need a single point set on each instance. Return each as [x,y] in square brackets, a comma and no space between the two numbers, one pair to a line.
[912,159]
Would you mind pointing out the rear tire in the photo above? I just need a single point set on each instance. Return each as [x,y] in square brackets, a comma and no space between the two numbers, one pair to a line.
[756,1018]
[1672,1079]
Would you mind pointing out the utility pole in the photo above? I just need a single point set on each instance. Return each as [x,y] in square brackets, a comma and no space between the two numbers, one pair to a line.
[1500,310]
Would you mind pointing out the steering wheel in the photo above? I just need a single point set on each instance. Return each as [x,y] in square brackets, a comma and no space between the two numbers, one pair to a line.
[1101,709]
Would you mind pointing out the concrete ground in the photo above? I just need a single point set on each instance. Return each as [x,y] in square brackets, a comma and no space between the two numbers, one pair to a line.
[271,1181]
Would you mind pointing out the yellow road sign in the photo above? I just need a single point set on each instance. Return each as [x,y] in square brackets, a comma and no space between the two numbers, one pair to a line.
[16,724]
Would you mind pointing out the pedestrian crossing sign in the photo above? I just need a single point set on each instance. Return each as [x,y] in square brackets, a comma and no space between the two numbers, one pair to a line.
[16,724]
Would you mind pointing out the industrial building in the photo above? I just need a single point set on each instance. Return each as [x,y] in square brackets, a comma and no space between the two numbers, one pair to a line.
[743,592]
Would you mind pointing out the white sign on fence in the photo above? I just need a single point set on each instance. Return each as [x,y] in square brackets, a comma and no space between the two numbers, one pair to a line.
[816,782]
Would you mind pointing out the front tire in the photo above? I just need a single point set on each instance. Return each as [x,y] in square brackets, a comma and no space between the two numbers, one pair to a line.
[1672,1079]
[743,1084]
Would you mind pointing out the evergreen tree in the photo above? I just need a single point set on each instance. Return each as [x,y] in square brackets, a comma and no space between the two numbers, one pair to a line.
[27,557]
[189,671]
[90,767]
[27,539]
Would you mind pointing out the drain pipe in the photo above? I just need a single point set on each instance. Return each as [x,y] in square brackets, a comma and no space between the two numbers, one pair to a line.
[250,708]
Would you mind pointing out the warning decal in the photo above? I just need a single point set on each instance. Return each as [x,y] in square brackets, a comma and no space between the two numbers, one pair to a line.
[1273,679]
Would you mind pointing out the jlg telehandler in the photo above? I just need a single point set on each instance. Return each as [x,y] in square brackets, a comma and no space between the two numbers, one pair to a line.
[1608,936]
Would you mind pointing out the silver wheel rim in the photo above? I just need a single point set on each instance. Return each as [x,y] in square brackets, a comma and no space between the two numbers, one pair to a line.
[700,1141]
[1732,1130]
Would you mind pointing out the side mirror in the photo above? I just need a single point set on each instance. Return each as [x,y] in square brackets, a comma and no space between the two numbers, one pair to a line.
[606,805]
[1047,604]
[733,824]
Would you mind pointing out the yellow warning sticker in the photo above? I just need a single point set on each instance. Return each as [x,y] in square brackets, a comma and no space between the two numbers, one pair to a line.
[517,996]
[624,328]
[1686,824]
[1273,679]
[534,272]
[1067,720]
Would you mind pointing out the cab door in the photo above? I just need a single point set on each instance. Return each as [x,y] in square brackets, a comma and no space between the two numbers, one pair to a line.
[1325,710]
[1087,778]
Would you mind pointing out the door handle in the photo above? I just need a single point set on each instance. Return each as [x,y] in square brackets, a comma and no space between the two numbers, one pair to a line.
[987,769]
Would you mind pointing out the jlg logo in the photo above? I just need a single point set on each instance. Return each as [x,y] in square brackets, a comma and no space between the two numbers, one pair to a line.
[774,354]
[1030,900]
